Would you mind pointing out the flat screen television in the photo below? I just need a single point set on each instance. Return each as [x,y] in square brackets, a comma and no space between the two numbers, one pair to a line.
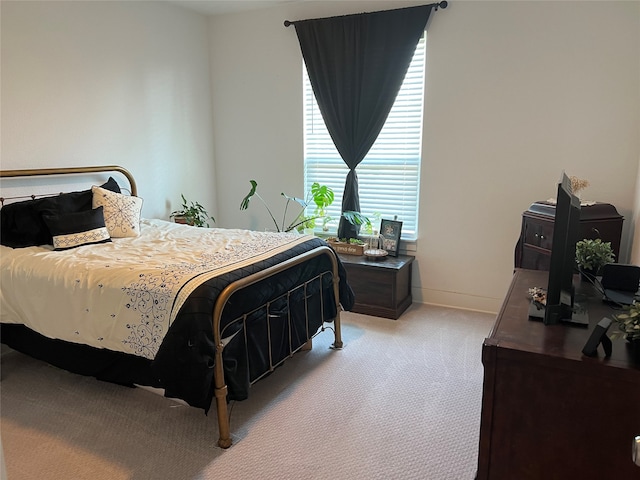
[560,298]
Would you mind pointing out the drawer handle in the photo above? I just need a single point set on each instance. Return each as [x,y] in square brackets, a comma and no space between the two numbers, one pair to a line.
[635,451]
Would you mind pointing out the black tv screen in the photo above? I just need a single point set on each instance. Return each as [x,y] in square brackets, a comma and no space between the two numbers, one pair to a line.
[566,228]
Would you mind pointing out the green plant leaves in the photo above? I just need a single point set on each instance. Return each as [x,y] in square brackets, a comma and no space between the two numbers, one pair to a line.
[322,197]
[593,254]
[245,201]
[628,323]
[194,213]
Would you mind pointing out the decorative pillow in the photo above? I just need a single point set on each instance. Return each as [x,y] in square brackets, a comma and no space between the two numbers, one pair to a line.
[71,230]
[121,212]
[22,225]
[112,185]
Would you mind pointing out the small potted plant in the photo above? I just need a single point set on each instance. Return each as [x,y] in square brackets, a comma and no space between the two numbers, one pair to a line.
[349,246]
[192,213]
[592,255]
[319,195]
[628,324]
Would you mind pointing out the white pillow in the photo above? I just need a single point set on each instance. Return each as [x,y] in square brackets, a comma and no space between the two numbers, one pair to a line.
[121,212]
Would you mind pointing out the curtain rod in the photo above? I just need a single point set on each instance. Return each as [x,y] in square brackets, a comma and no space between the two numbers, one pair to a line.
[443,4]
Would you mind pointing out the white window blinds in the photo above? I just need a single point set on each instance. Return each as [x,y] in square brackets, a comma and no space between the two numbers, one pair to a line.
[389,176]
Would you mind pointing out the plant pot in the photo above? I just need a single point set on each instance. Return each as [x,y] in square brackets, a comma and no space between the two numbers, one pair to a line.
[346,248]
[633,346]
[182,219]
[589,275]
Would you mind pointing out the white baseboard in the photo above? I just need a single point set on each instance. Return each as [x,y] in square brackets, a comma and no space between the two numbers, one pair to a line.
[456,300]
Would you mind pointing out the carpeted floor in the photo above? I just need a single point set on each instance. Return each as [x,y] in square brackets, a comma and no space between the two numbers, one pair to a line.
[401,401]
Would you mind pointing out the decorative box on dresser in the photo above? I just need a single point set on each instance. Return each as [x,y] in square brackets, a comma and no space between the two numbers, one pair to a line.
[382,287]
[533,251]
[548,411]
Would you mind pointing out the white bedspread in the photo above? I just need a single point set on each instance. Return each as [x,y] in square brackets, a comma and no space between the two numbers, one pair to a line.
[123,295]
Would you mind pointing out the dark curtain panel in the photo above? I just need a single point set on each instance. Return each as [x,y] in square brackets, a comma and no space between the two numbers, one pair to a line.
[356,65]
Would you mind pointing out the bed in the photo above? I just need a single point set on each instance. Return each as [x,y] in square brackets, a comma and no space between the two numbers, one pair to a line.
[90,286]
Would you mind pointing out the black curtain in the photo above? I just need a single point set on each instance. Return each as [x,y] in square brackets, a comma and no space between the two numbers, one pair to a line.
[356,65]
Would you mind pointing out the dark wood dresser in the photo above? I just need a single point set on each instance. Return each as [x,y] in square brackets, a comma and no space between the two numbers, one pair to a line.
[382,287]
[548,412]
[533,250]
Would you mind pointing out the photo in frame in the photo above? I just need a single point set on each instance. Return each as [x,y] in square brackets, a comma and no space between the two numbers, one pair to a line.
[390,234]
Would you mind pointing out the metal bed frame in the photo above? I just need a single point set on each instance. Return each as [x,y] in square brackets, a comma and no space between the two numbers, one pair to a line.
[224,430]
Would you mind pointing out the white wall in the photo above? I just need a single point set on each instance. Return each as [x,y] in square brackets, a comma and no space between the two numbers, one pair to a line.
[92,83]
[516,93]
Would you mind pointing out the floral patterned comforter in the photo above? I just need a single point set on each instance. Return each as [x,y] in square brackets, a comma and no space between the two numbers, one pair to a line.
[124,295]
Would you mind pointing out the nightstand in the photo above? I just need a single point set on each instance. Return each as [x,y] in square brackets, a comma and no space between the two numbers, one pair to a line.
[382,287]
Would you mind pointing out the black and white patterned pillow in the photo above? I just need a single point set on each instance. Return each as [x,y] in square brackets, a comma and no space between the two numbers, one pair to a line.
[121,212]
[71,230]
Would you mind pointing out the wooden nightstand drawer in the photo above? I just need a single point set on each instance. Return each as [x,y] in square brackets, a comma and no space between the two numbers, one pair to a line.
[382,287]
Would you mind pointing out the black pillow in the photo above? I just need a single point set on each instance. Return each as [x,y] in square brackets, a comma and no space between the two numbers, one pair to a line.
[21,223]
[71,230]
[110,184]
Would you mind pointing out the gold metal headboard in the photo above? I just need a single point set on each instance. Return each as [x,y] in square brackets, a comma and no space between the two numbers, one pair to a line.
[72,170]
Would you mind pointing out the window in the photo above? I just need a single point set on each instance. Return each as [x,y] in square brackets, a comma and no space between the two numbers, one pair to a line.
[389,176]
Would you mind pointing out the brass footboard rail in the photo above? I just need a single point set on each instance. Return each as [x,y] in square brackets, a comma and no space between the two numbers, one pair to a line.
[224,440]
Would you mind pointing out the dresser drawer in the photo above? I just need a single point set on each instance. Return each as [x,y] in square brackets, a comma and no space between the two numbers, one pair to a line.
[538,233]
[534,259]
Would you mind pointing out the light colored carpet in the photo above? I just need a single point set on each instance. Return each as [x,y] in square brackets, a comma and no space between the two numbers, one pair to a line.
[402,400]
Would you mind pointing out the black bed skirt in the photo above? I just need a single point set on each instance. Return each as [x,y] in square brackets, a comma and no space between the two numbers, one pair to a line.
[106,365]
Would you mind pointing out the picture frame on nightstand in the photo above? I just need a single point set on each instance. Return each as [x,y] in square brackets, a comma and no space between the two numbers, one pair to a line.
[390,235]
